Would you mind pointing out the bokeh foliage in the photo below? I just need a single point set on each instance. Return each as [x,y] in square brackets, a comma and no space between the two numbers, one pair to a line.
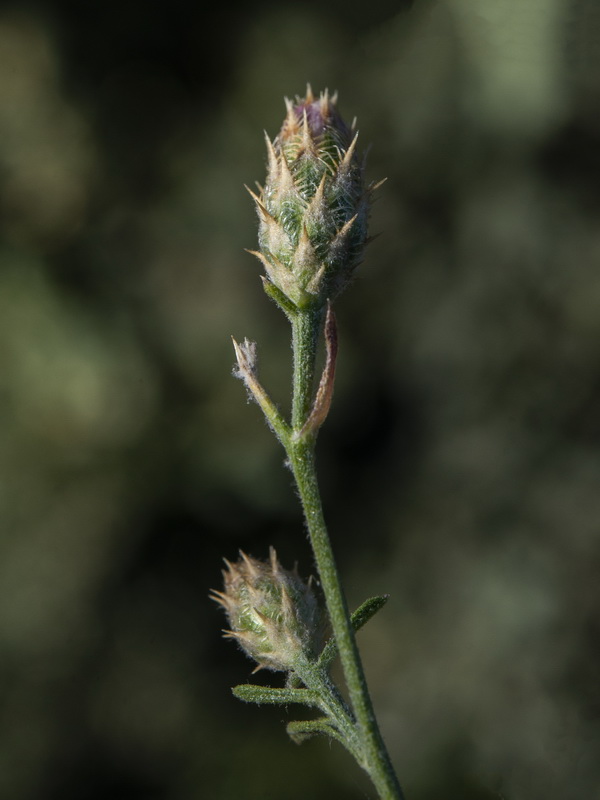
[460,463]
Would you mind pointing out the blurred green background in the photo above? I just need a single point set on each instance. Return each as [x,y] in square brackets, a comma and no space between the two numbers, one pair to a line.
[460,464]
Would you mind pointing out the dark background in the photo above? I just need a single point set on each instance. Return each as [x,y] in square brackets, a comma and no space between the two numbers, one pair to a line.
[460,464]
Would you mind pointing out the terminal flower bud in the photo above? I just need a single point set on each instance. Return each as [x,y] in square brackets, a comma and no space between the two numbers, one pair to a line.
[313,209]
[273,614]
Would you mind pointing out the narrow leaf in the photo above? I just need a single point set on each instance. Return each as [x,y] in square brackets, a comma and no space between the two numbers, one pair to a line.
[360,617]
[367,610]
[301,730]
[250,693]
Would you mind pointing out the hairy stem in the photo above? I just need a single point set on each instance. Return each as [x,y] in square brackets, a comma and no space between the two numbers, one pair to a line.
[332,704]
[305,335]
[302,460]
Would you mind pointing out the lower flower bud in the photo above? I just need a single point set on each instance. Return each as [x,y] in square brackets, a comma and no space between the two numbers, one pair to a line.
[273,613]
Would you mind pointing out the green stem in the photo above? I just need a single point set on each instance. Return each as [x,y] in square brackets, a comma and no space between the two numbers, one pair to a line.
[376,760]
[305,335]
[332,704]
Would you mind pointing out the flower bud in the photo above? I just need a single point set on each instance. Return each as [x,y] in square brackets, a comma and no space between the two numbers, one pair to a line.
[273,614]
[313,209]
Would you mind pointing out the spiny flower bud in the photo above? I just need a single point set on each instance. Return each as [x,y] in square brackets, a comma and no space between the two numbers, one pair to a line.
[273,614]
[313,209]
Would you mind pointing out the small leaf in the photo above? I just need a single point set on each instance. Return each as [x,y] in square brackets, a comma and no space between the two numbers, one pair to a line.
[250,693]
[301,730]
[360,617]
[367,610]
